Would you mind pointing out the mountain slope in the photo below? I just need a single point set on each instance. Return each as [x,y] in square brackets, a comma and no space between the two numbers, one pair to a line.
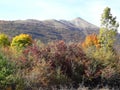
[87,27]
[48,30]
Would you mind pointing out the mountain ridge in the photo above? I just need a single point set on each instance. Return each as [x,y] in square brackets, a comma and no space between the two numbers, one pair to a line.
[49,30]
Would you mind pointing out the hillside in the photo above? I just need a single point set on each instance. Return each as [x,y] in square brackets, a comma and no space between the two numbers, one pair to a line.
[48,30]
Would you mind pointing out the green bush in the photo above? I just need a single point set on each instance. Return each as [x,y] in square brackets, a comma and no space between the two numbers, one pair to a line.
[7,72]
[4,40]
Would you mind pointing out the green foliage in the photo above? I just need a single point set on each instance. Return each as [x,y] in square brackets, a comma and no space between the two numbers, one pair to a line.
[108,29]
[7,72]
[21,41]
[105,57]
[4,40]
[108,21]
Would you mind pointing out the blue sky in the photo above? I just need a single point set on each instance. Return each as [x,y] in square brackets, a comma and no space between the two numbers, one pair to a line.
[89,10]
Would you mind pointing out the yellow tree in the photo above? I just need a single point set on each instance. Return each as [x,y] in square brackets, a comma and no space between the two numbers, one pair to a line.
[21,41]
[91,40]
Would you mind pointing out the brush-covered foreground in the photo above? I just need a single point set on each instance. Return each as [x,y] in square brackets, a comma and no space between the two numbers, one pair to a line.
[27,64]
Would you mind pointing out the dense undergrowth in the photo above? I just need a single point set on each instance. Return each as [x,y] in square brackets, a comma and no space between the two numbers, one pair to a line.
[56,64]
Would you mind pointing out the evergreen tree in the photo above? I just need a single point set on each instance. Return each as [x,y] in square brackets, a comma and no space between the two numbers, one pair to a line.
[108,29]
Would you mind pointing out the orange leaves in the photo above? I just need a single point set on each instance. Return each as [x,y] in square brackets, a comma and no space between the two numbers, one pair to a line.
[91,40]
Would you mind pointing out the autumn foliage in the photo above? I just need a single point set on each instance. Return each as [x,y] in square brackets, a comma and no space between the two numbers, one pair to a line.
[91,40]
[22,40]
[56,63]
[93,64]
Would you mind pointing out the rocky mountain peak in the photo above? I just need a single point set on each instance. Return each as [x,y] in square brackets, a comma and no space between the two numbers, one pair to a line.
[81,23]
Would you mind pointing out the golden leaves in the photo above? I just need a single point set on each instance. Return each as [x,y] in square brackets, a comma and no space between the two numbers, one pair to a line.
[91,40]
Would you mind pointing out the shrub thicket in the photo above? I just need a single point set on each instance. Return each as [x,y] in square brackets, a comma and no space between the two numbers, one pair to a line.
[7,72]
[65,61]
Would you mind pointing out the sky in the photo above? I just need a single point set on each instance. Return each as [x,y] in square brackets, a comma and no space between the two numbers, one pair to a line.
[89,10]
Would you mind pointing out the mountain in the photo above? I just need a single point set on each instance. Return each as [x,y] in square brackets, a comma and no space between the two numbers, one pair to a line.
[81,23]
[48,30]
[87,27]
[117,44]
